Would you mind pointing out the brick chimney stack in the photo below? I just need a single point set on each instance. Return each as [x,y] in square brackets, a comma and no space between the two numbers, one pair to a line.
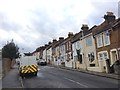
[110,17]
[70,34]
[61,38]
[54,40]
[49,43]
[84,27]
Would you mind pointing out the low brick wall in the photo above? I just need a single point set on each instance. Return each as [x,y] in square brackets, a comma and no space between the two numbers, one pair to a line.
[6,63]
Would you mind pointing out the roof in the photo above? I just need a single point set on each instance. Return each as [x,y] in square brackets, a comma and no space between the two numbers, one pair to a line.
[102,27]
[116,23]
[76,37]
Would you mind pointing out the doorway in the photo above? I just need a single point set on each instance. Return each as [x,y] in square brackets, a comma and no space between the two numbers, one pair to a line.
[113,56]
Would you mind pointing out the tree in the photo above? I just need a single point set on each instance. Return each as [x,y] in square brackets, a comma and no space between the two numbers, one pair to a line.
[10,50]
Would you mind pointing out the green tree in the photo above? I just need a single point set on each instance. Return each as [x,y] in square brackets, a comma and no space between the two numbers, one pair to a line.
[10,50]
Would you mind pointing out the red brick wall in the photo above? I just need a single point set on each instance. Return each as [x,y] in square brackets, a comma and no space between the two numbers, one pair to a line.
[6,65]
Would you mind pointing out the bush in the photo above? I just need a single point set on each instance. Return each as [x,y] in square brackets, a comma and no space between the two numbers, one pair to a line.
[10,50]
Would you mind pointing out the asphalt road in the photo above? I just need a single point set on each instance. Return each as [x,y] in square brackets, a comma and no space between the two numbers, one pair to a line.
[51,77]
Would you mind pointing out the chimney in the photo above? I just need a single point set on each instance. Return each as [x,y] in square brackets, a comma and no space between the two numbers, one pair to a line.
[70,34]
[110,17]
[46,45]
[49,43]
[54,40]
[84,27]
[61,38]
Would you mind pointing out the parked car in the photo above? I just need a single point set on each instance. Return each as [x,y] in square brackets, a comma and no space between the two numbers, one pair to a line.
[41,62]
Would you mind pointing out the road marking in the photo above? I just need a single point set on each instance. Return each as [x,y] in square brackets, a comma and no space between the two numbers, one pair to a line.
[21,81]
[76,82]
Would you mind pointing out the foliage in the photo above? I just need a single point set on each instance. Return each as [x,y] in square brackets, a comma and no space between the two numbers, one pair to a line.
[10,50]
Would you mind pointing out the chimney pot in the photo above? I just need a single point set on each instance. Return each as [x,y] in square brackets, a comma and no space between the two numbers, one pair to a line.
[84,27]
[61,38]
[54,40]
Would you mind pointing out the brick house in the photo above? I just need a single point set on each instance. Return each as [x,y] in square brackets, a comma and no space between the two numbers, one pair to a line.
[68,50]
[115,41]
[106,41]
[49,53]
[53,51]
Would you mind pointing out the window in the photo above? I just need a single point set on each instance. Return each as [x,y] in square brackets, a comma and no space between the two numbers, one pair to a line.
[69,45]
[100,56]
[106,39]
[103,55]
[91,56]
[88,41]
[99,41]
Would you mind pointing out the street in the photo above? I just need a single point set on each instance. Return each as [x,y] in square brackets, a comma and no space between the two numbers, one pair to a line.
[51,77]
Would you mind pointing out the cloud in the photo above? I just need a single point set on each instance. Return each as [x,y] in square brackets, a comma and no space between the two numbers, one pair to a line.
[32,23]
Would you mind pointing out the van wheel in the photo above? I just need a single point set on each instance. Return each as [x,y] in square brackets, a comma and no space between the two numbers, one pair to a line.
[22,77]
[35,73]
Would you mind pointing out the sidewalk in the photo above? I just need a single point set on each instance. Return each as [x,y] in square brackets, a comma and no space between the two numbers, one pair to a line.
[12,80]
[111,75]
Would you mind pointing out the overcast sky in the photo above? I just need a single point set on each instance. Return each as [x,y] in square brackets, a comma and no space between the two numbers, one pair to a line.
[33,23]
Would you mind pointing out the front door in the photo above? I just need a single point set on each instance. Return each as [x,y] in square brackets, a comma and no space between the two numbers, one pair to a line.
[113,57]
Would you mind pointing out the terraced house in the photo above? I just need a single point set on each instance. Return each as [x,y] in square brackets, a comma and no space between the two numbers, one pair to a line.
[77,50]
[49,53]
[88,49]
[68,50]
[106,40]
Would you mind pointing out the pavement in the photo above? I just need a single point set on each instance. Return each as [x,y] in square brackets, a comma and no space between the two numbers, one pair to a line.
[108,75]
[12,79]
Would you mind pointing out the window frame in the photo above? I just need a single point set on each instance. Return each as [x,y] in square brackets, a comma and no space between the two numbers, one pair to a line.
[103,57]
[89,39]
[101,37]
[104,39]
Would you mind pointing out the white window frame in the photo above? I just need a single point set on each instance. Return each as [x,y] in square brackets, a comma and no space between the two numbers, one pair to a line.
[104,39]
[98,46]
[87,39]
[103,58]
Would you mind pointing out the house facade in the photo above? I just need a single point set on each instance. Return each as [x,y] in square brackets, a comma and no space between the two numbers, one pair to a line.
[68,50]
[105,42]
[62,52]
[88,48]
[54,58]
[49,53]
[45,52]
[115,42]
[77,50]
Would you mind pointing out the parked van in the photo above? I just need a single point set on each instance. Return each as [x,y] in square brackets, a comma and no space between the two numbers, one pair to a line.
[28,66]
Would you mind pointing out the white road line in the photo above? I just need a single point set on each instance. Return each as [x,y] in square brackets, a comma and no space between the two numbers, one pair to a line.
[76,82]
[21,82]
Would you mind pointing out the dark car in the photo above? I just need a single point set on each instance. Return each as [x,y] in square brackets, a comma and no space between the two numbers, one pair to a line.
[42,62]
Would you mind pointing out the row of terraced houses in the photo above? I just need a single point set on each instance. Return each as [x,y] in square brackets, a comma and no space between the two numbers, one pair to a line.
[88,49]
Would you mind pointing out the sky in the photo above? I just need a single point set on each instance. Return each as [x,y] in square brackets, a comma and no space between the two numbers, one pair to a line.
[33,23]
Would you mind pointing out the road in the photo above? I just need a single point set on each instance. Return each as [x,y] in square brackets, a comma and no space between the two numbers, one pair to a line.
[51,77]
